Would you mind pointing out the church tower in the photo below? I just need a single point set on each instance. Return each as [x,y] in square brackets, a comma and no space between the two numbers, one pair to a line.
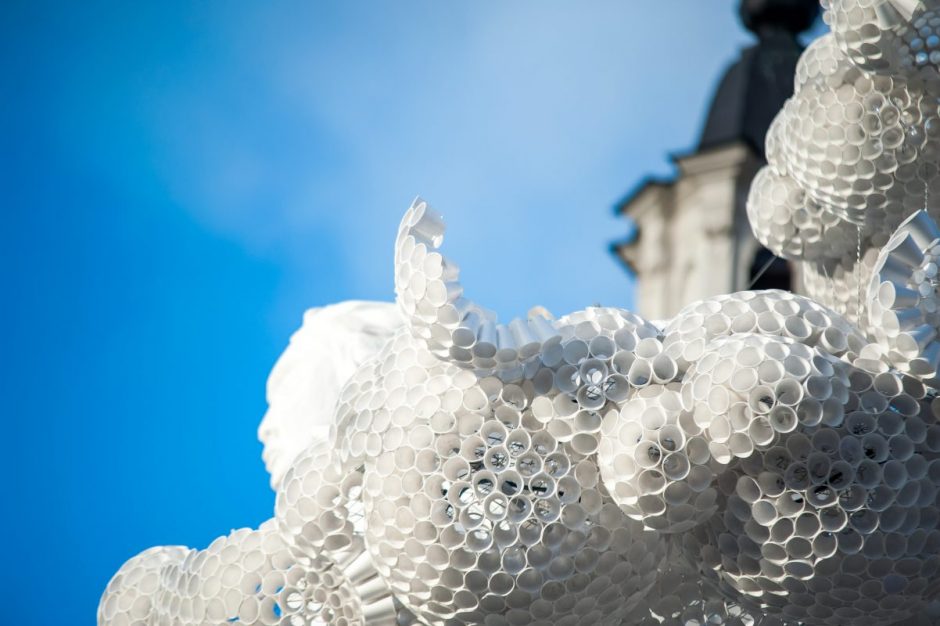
[692,239]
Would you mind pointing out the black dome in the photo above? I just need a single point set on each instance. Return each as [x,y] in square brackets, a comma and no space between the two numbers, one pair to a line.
[793,16]
[756,86]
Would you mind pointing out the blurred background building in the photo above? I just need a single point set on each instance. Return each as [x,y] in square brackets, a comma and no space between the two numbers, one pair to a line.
[691,238]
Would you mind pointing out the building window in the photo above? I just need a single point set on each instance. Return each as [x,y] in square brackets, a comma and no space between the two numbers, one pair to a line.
[776,275]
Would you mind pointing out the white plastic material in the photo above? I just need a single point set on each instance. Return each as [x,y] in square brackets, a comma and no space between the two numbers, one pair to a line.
[306,380]
[762,458]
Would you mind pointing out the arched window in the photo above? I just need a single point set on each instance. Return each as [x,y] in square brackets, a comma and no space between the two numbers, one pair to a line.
[775,276]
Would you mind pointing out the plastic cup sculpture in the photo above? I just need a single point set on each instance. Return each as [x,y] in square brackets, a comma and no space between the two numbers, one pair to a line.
[762,458]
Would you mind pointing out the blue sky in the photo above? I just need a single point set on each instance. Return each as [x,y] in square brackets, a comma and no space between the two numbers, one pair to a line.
[181,180]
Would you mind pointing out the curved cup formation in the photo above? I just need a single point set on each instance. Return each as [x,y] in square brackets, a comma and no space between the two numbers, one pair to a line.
[894,37]
[854,152]
[482,497]
[827,485]
[248,576]
[759,445]
[764,459]
[682,596]
[903,317]
[305,383]
[429,293]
